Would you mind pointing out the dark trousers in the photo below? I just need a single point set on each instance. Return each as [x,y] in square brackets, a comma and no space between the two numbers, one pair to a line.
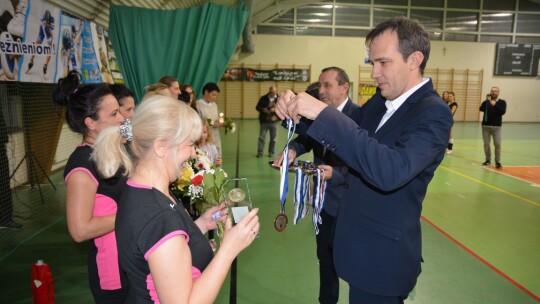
[358,296]
[329,281]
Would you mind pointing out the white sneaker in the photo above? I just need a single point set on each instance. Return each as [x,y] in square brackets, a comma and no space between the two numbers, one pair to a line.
[448,152]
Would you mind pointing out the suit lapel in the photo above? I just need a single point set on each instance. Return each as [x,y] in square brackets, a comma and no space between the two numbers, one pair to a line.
[396,118]
[375,110]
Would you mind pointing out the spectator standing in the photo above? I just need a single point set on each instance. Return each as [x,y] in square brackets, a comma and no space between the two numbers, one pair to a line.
[208,110]
[451,102]
[493,110]
[268,121]
[172,85]
[125,99]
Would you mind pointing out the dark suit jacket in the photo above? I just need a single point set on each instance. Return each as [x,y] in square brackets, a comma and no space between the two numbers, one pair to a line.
[264,103]
[377,245]
[336,185]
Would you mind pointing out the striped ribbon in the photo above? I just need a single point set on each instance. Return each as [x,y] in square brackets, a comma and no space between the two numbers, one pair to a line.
[319,189]
[284,169]
[298,194]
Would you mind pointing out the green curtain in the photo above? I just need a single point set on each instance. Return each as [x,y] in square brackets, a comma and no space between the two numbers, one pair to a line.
[193,44]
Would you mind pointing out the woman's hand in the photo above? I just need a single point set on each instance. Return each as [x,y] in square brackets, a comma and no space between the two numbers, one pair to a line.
[208,220]
[240,236]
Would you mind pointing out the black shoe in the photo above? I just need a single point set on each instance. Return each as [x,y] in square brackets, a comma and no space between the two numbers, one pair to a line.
[486,163]
[498,165]
[44,69]
[10,225]
[259,155]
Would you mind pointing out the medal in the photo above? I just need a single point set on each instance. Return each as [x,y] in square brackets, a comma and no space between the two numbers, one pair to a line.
[280,223]
[236,195]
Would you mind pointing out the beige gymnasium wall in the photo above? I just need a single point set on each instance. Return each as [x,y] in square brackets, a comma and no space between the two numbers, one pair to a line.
[521,93]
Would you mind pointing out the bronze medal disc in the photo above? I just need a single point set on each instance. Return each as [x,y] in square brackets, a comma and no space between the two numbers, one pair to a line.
[280,223]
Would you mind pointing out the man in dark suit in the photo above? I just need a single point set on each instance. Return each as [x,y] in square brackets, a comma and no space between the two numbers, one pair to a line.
[333,91]
[392,146]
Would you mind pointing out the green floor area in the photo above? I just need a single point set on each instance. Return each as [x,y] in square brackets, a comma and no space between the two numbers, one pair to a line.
[493,215]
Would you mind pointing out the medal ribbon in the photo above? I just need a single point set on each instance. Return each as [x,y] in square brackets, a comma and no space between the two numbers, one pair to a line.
[284,169]
[298,195]
[307,195]
[319,189]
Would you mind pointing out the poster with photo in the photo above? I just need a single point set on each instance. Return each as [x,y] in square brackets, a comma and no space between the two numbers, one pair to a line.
[69,55]
[28,40]
[41,43]
[89,64]
[111,59]
[100,48]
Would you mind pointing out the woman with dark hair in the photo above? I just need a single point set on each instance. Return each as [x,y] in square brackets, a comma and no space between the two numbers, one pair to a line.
[125,99]
[91,200]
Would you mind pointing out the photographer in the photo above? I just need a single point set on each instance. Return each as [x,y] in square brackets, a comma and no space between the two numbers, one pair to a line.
[268,121]
[493,108]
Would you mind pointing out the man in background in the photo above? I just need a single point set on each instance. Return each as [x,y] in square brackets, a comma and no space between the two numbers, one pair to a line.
[268,121]
[333,90]
[494,109]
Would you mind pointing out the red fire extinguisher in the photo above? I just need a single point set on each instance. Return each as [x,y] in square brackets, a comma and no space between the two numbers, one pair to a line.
[42,283]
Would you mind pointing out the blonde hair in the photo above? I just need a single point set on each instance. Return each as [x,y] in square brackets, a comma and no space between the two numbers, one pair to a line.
[209,138]
[156,118]
[155,89]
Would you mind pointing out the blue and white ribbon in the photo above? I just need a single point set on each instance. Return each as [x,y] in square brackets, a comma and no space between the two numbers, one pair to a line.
[284,169]
[299,194]
[319,189]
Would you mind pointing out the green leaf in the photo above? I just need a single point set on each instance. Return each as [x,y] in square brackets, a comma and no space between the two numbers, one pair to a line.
[209,180]
[219,177]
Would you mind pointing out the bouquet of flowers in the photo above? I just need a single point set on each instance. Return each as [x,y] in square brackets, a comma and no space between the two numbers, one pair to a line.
[202,183]
[230,126]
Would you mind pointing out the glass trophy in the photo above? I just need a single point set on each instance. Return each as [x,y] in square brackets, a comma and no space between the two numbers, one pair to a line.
[238,198]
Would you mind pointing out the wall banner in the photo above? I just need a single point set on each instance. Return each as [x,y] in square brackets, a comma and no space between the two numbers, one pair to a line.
[248,74]
[41,43]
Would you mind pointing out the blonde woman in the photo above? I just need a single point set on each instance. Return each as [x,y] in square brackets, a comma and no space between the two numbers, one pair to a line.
[163,252]
[172,85]
[157,88]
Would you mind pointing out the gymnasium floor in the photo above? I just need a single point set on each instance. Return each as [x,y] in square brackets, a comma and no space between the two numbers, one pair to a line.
[481,232]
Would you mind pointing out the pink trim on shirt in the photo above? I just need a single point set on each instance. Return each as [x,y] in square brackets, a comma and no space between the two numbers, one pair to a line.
[84,170]
[107,252]
[135,185]
[107,262]
[195,273]
[104,206]
[151,288]
[163,240]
